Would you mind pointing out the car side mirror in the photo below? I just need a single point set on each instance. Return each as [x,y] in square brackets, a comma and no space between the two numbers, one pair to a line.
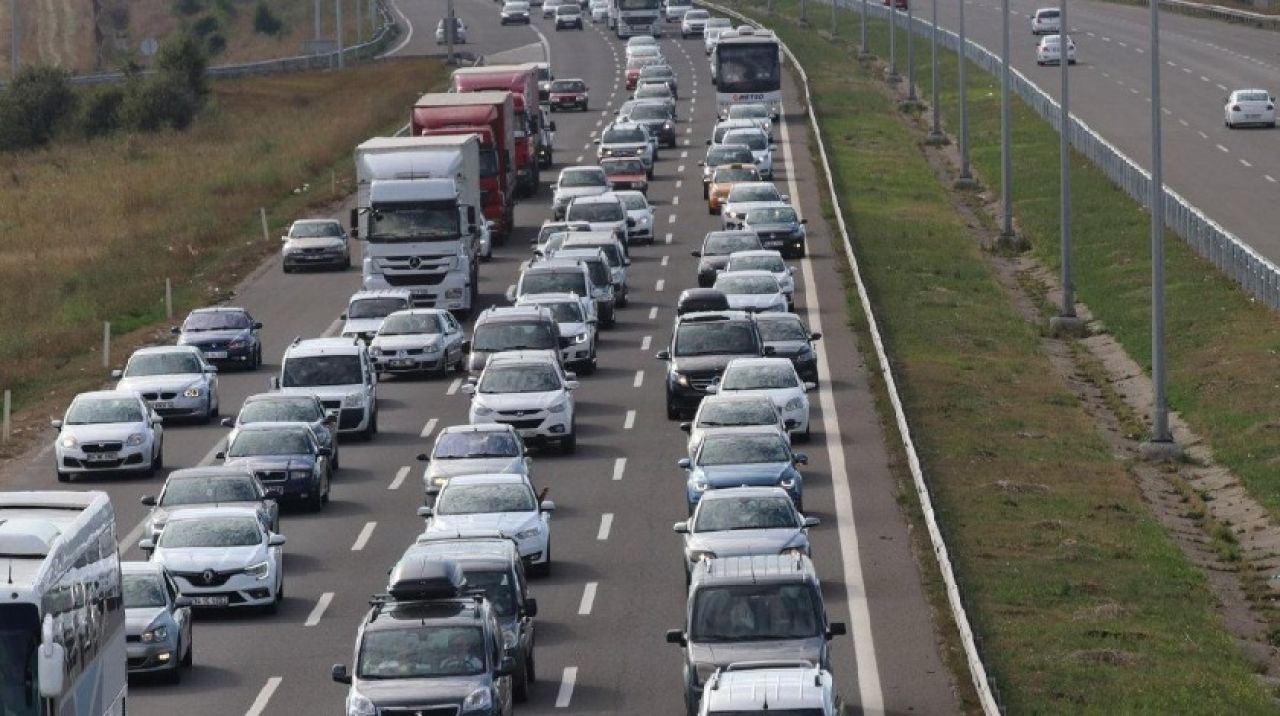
[156,420]
[220,456]
[547,506]
[425,511]
[182,602]
[468,388]
[836,629]
[696,254]
[55,424]
[595,141]
[211,370]
[675,636]
[531,607]
[685,463]
[275,540]
[466,346]
[804,221]
[227,422]
[680,528]
[686,427]
[117,374]
[800,459]
[810,385]
[342,317]
[148,500]
[146,545]
[340,674]
[708,142]
[815,336]
[511,294]
[702,164]
[423,457]
[324,451]
[786,197]
[663,355]
[257,325]
[812,522]
[770,350]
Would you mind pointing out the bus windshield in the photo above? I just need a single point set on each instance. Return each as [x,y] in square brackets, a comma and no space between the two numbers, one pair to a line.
[747,68]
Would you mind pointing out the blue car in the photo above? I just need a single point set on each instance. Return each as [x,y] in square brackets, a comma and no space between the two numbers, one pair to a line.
[286,458]
[744,457]
[226,335]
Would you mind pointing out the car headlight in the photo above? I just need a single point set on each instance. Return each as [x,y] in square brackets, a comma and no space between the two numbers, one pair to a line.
[787,483]
[699,555]
[433,348]
[510,639]
[668,125]
[68,441]
[481,410]
[794,404]
[238,342]
[353,400]
[529,533]
[359,705]
[299,474]
[478,700]
[681,379]
[193,392]
[558,407]
[154,635]
[580,338]
[258,571]
[642,221]
[135,440]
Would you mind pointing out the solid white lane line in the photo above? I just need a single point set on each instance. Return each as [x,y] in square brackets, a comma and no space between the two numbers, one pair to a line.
[666,260]
[588,599]
[401,474]
[639,379]
[653,313]
[606,524]
[661,284]
[871,696]
[644,344]
[630,421]
[566,687]
[362,539]
[428,428]
[454,386]
[318,610]
[264,696]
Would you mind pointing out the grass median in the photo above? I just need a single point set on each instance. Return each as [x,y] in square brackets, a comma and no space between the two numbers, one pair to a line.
[1081,602]
[92,229]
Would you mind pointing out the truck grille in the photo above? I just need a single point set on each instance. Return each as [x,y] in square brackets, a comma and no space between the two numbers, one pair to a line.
[414,279]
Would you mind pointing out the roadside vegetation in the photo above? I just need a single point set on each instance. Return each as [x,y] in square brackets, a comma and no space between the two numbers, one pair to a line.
[1081,602]
[92,228]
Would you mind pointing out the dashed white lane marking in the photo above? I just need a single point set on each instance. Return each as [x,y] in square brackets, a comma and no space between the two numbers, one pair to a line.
[639,379]
[1223,149]
[680,170]
[675,201]
[653,313]
[606,524]
[318,610]
[1202,134]
[264,697]
[1245,163]
[566,687]
[1222,87]
[666,260]
[619,467]
[401,474]
[1133,90]
[668,239]
[429,428]
[684,154]
[454,386]
[630,421]
[646,342]
[1269,178]
[362,539]
[671,219]
[588,598]
[679,182]
[1203,78]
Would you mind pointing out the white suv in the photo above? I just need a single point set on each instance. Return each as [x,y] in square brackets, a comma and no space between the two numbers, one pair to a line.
[340,373]
[1046,21]
[530,391]
[786,686]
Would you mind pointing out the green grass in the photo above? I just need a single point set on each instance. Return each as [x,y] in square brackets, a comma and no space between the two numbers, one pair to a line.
[1081,601]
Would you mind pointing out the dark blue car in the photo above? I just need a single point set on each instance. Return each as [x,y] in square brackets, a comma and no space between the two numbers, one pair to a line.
[226,335]
[286,458]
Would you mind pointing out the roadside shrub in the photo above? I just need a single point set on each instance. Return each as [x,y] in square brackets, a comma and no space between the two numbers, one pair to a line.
[265,22]
[162,101]
[100,110]
[37,101]
[182,56]
[206,26]
[189,7]
[215,43]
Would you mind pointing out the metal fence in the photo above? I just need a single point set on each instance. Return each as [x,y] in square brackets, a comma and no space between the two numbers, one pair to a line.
[1226,14]
[1254,272]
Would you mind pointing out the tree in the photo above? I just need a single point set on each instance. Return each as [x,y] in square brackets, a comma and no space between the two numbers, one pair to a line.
[37,101]
[265,22]
[183,57]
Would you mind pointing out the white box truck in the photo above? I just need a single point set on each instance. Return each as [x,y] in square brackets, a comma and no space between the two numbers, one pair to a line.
[418,212]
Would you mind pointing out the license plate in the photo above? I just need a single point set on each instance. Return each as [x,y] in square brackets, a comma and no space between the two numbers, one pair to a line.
[161,404]
[274,491]
[217,601]
[401,363]
[102,457]
[215,354]
[1252,116]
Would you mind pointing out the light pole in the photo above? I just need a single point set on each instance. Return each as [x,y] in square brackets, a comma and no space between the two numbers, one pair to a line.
[1066,322]
[804,12]
[834,29]
[966,175]
[911,55]
[935,130]
[451,26]
[863,51]
[1161,446]
[1007,239]
[337,11]
[893,76]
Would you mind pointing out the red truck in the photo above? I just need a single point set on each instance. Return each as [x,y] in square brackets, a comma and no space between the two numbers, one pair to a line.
[533,149]
[491,115]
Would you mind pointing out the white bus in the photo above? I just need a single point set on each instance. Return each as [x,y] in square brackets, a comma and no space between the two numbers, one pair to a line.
[62,633]
[628,18]
[746,66]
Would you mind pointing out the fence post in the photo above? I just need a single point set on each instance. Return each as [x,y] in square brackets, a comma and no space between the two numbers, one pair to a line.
[8,406]
[168,299]
[262,215]
[106,344]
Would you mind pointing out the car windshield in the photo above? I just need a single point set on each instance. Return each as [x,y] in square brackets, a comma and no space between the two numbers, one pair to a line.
[742,449]
[1047,14]
[375,307]
[731,174]
[623,136]
[515,6]
[745,513]
[725,244]
[633,201]
[322,370]
[790,329]
[755,612]
[590,177]
[567,10]
[754,193]
[92,411]
[554,282]
[772,264]
[568,86]
[752,138]
[211,532]
[715,338]
[162,364]
[251,443]
[598,270]
[595,212]
[215,321]
[467,499]
[726,154]
[566,311]
[317,229]
[499,589]
[143,591]
[661,71]
[1252,97]
[777,215]
[697,15]
[420,650]
[730,413]
[297,410]
[748,111]
[520,379]
[411,324]
[736,283]
[461,446]
[759,377]
[204,490]
[623,166]
[649,111]
[514,336]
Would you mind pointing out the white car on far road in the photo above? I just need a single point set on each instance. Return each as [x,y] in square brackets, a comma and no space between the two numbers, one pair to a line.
[1046,21]
[1049,50]
[1250,106]
[776,378]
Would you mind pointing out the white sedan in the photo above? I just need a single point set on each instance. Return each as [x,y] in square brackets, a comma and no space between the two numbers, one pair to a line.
[766,260]
[1049,50]
[419,339]
[108,431]
[489,504]
[176,381]
[1251,106]
[641,211]
[755,291]
[775,378]
[731,410]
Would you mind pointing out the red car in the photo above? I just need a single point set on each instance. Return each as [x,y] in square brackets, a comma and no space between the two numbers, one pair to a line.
[568,94]
[626,173]
[634,65]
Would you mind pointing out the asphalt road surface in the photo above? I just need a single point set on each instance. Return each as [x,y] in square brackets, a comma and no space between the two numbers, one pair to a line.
[617,498]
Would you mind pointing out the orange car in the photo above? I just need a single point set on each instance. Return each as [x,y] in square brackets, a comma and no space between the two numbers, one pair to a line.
[723,179]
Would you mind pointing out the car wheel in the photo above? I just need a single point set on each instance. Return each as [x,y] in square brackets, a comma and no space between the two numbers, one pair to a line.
[316,501]
[673,413]
[211,409]
[544,569]
[286,268]
[257,357]
[189,658]
[520,684]
[569,443]
[706,191]
[64,476]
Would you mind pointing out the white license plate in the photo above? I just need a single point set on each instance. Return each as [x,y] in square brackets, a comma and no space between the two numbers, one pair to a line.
[102,457]
[217,601]
[400,363]
[214,355]
[161,404]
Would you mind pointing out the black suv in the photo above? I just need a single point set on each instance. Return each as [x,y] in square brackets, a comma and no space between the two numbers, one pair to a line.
[430,645]
[702,344]
[511,328]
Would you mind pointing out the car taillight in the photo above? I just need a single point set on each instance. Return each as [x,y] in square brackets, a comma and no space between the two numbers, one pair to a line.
[1270,107]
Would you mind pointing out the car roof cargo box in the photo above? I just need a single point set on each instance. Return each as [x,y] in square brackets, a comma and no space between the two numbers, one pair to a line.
[414,580]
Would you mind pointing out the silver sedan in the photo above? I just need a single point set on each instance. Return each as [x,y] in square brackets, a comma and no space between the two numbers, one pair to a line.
[176,381]
[744,521]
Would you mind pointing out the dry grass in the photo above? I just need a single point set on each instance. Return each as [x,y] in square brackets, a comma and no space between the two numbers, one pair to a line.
[91,230]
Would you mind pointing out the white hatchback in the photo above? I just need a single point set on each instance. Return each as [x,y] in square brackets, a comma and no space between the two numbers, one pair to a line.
[776,378]
[1046,21]
[1249,107]
[493,504]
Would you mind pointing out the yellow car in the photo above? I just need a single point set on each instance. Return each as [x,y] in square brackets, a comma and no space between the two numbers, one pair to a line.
[723,179]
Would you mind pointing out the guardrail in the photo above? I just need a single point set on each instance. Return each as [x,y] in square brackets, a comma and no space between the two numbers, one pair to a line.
[1226,14]
[977,670]
[387,30]
[1254,272]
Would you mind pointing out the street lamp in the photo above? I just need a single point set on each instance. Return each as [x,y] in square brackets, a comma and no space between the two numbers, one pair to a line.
[966,174]
[935,130]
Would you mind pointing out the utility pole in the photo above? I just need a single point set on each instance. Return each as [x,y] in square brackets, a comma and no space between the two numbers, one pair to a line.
[864,52]
[337,9]
[893,76]
[1066,322]
[935,130]
[451,27]
[317,18]
[966,175]
[911,55]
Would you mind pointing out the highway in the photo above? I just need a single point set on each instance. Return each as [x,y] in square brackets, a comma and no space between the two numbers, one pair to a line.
[1202,59]
[617,582]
